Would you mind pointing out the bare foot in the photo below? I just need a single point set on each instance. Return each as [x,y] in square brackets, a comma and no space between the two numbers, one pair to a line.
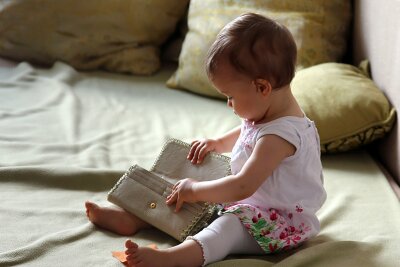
[113,219]
[188,253]
[145,256]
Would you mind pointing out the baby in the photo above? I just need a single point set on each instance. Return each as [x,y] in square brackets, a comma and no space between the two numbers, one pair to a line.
[276,187]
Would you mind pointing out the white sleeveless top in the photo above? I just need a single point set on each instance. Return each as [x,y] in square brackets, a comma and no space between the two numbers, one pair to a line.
[295,188]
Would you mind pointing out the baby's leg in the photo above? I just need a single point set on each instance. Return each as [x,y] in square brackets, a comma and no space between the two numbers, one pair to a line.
[114,219]
[226,235]
[188,254]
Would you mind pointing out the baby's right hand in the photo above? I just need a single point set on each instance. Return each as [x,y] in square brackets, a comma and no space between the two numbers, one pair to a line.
[200,148]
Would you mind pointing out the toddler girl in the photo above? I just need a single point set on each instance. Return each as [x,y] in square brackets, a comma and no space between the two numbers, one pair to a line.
[276,186]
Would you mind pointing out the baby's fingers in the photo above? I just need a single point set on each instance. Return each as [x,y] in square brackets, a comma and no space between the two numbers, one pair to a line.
[195,158]
[176,185]
[193,148]
[196,152]
[171,199]
[203,151]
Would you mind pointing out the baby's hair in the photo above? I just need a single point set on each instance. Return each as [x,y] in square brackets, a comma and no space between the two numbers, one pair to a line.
[256,46]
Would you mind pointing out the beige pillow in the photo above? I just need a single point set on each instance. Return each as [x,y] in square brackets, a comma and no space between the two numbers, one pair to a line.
[346,106]
[318,26]
[118,35]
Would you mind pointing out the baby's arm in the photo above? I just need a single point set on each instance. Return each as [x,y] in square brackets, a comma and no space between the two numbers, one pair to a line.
[268,153]
[225,143]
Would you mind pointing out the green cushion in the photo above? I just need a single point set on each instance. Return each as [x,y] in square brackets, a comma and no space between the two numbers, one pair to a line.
[348,108]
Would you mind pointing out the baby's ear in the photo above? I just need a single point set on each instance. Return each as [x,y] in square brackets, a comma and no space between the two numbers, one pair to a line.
[263,86]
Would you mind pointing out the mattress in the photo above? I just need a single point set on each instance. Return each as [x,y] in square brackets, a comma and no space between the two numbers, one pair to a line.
[67,137]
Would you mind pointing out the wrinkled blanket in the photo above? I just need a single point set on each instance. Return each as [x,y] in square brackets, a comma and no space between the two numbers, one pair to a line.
[67,137]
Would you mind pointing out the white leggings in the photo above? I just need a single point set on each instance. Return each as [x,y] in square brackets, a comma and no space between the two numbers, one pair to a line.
[225,235]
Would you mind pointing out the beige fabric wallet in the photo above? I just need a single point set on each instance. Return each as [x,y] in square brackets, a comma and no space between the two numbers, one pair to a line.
[144,193]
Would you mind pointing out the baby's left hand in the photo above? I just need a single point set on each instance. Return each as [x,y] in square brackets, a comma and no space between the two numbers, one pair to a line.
[182,192]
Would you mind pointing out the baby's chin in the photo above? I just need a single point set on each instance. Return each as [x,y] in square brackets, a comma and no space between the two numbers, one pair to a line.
[249,120]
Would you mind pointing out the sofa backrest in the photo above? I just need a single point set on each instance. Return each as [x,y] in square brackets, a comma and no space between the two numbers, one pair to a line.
[376,37]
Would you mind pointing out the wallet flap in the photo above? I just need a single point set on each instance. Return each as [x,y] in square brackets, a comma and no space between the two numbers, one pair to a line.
[172,163]
[144,194]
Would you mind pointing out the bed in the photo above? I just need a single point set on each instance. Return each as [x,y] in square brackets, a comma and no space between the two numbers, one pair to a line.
[67,136]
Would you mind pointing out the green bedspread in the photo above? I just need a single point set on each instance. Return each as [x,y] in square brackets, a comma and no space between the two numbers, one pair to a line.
[66,137]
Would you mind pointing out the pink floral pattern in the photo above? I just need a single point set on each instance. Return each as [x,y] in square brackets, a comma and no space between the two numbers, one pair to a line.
[274,230]
[248,135]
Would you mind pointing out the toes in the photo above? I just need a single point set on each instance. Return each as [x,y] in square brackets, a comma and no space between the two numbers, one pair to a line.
[133,257]
[87,205]
[90,205]
[91,209]
[130,245]
[130,251]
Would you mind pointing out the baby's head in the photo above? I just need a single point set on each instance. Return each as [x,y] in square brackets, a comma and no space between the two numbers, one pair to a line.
[255,47]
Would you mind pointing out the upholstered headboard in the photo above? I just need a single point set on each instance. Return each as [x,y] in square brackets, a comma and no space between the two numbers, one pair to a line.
[376,37]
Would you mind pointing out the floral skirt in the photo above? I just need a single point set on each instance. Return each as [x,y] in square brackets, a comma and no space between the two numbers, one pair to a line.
[272,229]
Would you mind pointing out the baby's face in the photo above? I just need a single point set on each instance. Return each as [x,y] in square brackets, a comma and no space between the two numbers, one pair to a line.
[242,94]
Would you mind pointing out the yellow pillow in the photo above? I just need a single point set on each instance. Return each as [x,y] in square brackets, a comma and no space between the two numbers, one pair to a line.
[318,26]
[346,106]
[118,35]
